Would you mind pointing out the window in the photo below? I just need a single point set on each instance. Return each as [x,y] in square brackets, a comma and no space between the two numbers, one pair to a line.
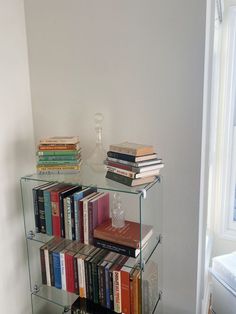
[226,136]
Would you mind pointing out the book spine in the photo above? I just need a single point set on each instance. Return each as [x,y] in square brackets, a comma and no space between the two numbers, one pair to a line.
[58,146]
[69,265]
[86,264]
[72,209]
[68,206]
[90,222]
[119,165]
[66,218]
[107,284]
[76,276]
[58,167]
[122,172]
[43,266]
[80,275]
[90,281]
[56,226]
[95,285]
[117,291]
[48,212]
[47,266]
[36,209]
[52,274]
[42,222]
[76,219]
[63,271]
[102,285]
[81,221]
[121,156]
[57,153]
[59,158]
[111,289]
[119,178]
[118,248]
[42,163]
[57,269]
[125,292]
[85,221]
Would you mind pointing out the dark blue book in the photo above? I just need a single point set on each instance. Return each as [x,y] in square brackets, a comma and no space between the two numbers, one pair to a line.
[57,263]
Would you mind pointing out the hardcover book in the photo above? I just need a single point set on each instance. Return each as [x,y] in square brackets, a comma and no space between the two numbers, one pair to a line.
[132,149]
[131,157]
[56,152]
[118,248]
[129,235]
[133,175]
[71,266]
[36,192]
[59,140]
[55,203]
[128,181]
[125,284]
[139,169]
[138,164]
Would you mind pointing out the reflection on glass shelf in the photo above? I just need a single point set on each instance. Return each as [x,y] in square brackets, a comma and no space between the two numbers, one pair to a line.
[87,177]
[57,296]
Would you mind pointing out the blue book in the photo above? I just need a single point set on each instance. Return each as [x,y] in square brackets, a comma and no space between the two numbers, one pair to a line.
[75,218]
[57,263]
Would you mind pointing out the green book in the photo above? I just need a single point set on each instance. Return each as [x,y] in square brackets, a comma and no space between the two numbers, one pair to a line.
[58,152]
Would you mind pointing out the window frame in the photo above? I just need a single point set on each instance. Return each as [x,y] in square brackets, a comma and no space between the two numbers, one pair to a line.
[226,161]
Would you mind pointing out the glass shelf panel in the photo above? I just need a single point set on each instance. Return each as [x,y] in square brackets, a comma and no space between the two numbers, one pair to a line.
[39,239]
[87,177]
[59,297]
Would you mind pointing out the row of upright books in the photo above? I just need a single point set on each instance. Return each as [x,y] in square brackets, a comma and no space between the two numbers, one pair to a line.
[104,278]
[83,214]
[132,164]
[59,155]
[69,211]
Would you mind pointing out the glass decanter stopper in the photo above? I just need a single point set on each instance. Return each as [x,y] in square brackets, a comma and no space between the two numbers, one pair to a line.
[96,160]
[118,213]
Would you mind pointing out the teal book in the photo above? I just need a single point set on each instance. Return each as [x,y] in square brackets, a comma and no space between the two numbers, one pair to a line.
[48,209]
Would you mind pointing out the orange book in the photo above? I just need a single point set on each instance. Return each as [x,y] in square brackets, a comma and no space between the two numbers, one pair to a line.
[58,147]
[128,235]
[125,284]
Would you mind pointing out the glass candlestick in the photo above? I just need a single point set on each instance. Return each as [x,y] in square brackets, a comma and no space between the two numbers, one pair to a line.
[96,160]
[118,213]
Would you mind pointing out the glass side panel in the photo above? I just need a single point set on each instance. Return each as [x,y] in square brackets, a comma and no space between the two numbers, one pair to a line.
[151,218]
[87,177]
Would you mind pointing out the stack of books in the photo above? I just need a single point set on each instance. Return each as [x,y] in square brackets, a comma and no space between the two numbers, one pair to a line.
[132,164]
[59,155]
[127,240]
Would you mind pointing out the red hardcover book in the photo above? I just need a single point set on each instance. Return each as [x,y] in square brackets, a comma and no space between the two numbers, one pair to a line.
[55,197]
[125,284]
[72,284]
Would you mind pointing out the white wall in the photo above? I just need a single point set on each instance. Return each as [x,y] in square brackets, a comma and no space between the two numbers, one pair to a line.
[141,64]
[17,155]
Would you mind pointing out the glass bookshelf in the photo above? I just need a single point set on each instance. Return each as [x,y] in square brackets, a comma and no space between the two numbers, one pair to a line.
[143,204]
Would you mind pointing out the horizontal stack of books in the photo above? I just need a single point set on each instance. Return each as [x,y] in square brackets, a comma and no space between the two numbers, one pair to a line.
[59,155]
[127,240]
[132,164]
[104,281]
